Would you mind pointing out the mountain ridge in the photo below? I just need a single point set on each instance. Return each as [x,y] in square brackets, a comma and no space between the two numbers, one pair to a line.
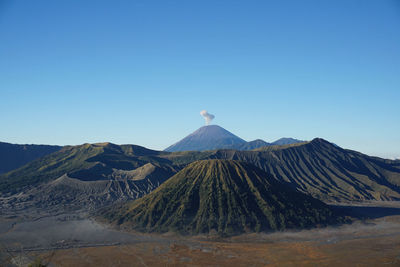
[316,167]
[211,137]
[13,156]
[87,162]
[323,170]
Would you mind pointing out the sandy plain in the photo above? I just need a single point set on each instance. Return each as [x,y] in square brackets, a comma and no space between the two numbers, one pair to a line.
[78,240]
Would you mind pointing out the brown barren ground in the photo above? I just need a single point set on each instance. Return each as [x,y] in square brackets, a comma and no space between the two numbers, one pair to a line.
[375,243]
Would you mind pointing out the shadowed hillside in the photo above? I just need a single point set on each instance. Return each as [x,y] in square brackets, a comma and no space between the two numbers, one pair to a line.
[320,169]
[222,196]
[84,177]
[88,162]
[13,156]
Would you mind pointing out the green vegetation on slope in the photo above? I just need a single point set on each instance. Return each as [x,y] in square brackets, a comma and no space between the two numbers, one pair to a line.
[226,197]
[49,167]
[320,169]
[86,162]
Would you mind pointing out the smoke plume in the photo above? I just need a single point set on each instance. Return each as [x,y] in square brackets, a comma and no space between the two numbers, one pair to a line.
[207,116]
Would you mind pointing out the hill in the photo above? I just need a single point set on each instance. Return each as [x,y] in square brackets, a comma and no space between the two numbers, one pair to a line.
[13,156]
[84,177]
[222,196]
[87,162]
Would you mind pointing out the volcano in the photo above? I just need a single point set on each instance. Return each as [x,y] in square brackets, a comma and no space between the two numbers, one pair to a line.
[222,196]
[208,137]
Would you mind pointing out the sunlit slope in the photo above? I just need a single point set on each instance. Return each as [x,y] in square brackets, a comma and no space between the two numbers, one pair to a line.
[221,196]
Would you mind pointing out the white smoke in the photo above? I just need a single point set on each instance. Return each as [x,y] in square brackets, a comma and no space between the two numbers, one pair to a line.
[207,116]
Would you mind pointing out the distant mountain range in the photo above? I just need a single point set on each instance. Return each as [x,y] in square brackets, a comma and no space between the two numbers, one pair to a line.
[285,141]
[213,137]
[318,168]
[13,156]
[237,186]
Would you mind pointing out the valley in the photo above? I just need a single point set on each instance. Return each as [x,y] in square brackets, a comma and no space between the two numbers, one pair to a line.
[102,204]
[199,133]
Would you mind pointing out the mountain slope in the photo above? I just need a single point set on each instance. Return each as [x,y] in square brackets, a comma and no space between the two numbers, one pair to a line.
[84,177]
[13,156]
[322,169]
[88,162]
[227,197]
[318,168]
[207,138]
[71,194]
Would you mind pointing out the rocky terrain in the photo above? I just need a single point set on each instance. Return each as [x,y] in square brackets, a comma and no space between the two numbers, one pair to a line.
[92,176]
[319,168]
[225,197]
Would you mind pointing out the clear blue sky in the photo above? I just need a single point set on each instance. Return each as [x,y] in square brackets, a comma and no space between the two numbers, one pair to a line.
[140,72]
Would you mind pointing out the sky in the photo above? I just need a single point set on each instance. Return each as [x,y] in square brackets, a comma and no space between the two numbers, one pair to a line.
[140,72]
